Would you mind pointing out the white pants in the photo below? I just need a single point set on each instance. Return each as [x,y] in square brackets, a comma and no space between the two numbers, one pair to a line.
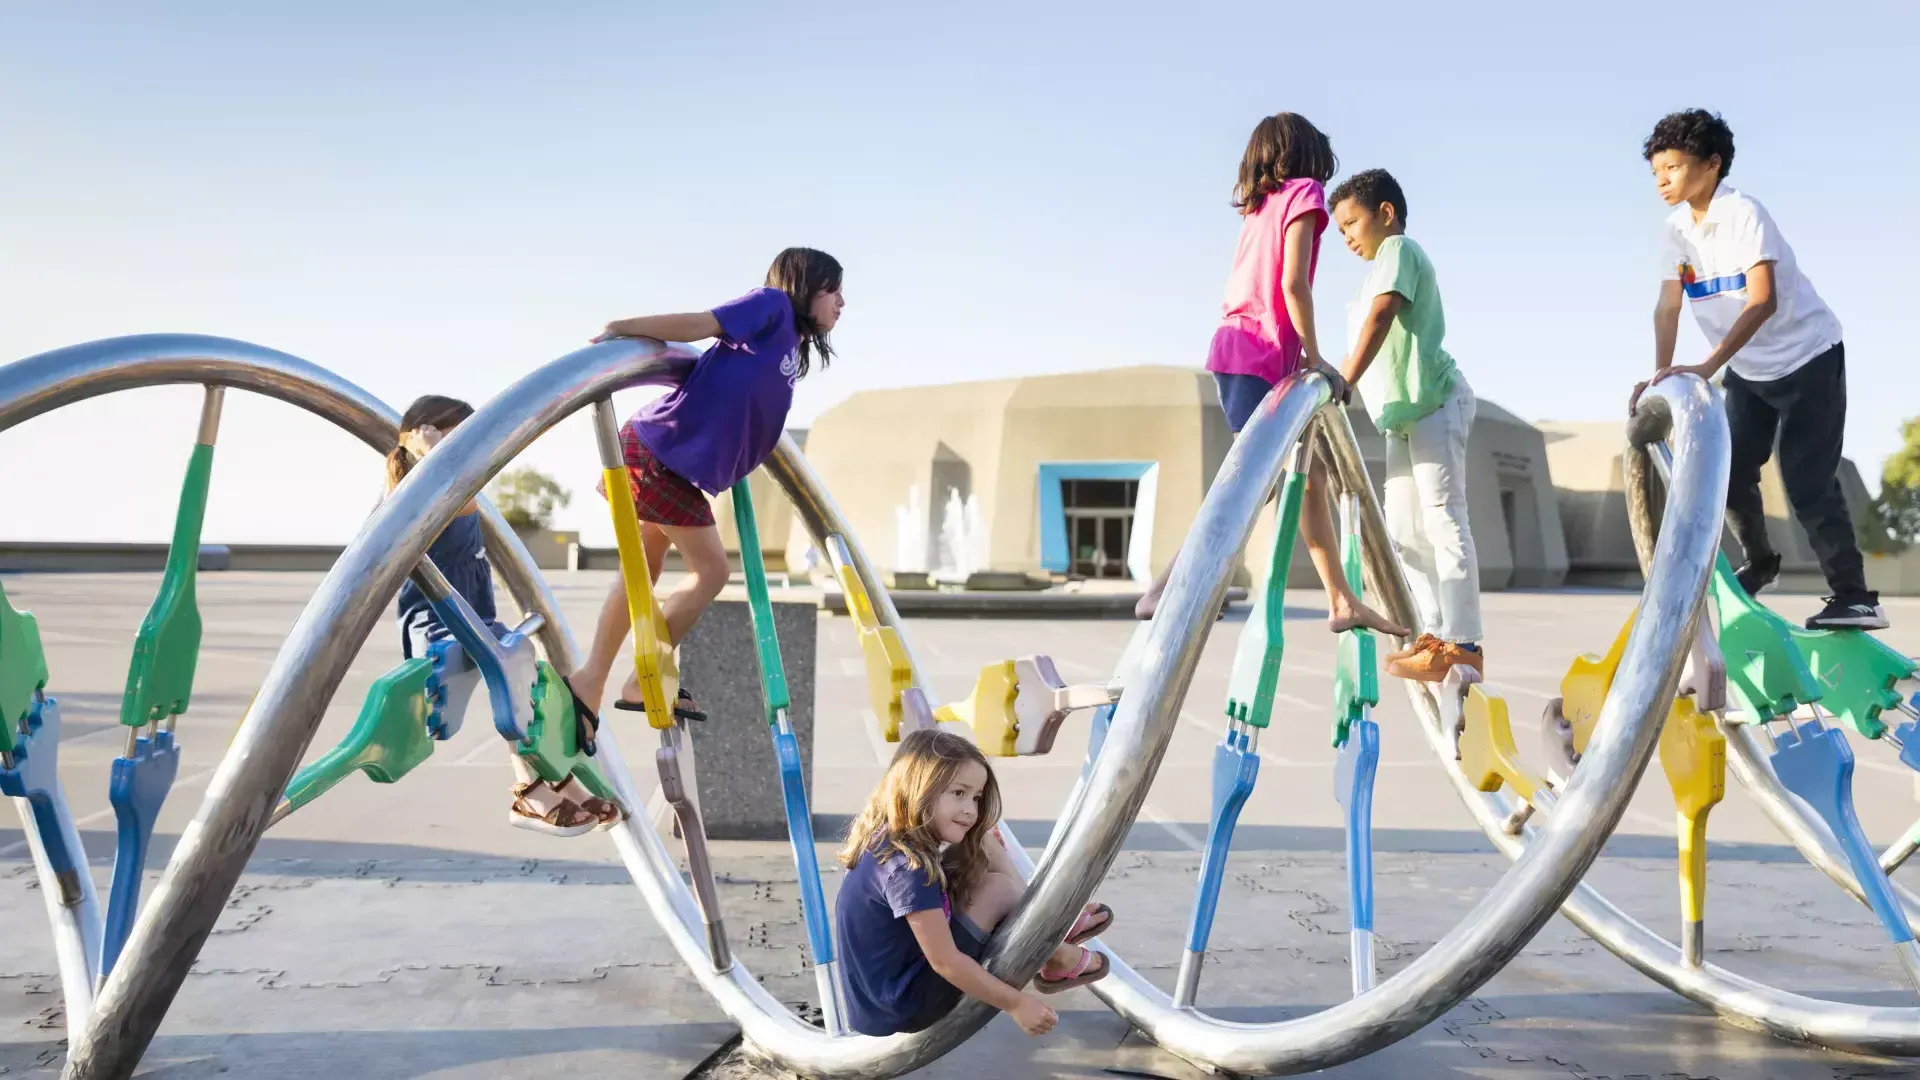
[1426,508]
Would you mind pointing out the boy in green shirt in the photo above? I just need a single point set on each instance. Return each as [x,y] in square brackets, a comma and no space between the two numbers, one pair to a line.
[1424,407]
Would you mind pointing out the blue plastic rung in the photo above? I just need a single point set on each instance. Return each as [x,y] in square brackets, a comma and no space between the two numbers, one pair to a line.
[1909,736]
[450,688]
[137,790]
[507,664]
[1235,767]
[35,777]
[1096,738]
[1815,763]
[1353,775]
[806,859]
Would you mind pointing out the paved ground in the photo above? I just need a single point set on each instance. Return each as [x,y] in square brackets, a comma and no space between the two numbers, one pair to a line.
[404,931]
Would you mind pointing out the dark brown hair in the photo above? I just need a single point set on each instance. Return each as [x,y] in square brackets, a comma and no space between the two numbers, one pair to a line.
[430,410]
[1285,146]
[1693,131]
[803,274]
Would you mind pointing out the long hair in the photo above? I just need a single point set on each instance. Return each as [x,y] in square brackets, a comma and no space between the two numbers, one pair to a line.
[430,410]
[803,274]
[899,815]
[1285,146]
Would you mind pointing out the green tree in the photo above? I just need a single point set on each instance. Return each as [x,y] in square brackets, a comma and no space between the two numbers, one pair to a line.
[528,497]
[1893,520]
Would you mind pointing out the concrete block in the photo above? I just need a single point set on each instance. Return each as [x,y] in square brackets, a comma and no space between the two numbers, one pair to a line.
[739,783]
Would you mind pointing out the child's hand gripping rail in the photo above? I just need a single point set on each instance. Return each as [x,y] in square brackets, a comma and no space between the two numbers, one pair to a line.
[897,702]
[1236,761]
[786,748]
[658,674]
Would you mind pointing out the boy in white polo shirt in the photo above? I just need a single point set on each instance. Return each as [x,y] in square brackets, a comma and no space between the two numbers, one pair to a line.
[1780,345]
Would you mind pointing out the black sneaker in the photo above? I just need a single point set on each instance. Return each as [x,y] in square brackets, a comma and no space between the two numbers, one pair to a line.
[1858,612]
[1757,574]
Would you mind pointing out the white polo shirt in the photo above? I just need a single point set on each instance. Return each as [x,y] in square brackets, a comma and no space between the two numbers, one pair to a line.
[1710,259]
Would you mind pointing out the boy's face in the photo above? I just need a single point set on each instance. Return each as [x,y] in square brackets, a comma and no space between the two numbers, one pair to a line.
[1681,177]
[1364,228]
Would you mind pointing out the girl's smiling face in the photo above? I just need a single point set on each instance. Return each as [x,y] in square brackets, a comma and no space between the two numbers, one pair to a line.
[956,808]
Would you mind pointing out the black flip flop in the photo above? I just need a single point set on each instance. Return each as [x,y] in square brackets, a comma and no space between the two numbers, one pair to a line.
[681,711]
[586,722]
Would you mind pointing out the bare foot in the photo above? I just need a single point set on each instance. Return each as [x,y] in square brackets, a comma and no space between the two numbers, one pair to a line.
[590,693]
[1344,615]
[1143,608]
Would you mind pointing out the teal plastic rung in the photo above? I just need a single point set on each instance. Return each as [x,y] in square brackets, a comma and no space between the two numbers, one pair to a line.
[552,746]
[387,741]
[23,670]
[773,674]
[1766,672]
[1256,658]
[167,649]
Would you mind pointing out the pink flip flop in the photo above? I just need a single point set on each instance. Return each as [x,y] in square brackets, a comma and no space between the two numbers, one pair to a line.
[1092,922]
[1091,968]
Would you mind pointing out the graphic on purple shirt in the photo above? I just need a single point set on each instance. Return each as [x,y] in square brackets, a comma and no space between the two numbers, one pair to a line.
[725,420]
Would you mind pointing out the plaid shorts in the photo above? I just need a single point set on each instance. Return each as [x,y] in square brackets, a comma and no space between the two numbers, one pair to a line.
[660,495]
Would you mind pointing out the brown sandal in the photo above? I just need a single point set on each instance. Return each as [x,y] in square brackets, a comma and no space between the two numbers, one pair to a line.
[607,814]
[567,818]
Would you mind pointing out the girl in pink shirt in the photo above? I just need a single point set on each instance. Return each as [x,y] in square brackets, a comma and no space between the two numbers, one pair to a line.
[1267,327]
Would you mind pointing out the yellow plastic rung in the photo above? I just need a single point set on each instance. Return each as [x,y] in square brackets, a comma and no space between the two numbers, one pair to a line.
[653,662]
[1693,754]
[889,670]
[1488,755]
[1585,687]
[988,711]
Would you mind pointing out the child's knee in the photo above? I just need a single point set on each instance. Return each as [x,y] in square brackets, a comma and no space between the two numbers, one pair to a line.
[995,897]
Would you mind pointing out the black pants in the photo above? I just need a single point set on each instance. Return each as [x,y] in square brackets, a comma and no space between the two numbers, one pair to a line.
[1807,411]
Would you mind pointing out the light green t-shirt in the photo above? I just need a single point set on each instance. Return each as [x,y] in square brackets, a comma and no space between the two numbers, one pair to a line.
[1411,375]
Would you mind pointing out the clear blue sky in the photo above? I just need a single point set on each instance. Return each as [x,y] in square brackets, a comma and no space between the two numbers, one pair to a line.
[438,197]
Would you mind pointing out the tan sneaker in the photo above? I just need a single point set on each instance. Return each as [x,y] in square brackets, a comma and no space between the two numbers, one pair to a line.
[1420,644]
[1431,664]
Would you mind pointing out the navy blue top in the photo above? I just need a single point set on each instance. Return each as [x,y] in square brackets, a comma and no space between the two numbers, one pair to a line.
[461,556]
[881,961]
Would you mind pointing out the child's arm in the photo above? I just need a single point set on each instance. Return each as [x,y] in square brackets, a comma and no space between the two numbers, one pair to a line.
[1761,304]
[935,936]
[1294,285]
[1666,330]
[692,326]
[1372,333]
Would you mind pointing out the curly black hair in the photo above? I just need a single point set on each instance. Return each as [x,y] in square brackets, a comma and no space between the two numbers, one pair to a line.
[1371,188]
[1693,131]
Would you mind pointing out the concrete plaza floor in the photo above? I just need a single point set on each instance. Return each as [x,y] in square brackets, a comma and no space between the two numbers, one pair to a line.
[405,931]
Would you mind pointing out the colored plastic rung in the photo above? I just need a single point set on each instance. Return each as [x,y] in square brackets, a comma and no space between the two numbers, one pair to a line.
[35,777]
[1766,672]
[806,859]
[1583,690]
[667,759]
[1096,737]
[167,649]
[455,678]
[1693,754]
[654,665]
[1235,768]
[1815,763]
[1356,681]
[1042,701]
[23,669]
[137,791]
[552,747]
[766,641]
[507,663]
[1255,676]
[989,710]
[1856,672]
[1354,769]
[387,741]
[1488,755]
[889,669]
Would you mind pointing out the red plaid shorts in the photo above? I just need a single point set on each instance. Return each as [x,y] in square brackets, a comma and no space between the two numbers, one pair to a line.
[660,495]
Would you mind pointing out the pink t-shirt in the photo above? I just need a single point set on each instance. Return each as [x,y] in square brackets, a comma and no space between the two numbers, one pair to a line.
[1256,335]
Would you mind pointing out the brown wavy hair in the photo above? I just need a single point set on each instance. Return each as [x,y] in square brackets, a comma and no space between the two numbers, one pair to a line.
[899,816]
[1285,146]
[432,410]
[803,274]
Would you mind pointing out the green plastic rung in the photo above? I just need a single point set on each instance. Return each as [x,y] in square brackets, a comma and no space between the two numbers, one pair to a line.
[1856,673]
[387,741]
[1356,673]
[552,746]
[773,675]
[1766,671]
[23,669]
[160,679]
[1256,659]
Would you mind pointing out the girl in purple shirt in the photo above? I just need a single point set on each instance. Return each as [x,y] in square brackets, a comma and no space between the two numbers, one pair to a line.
[710,432]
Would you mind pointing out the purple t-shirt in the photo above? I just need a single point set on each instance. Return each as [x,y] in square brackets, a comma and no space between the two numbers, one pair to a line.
[725,420]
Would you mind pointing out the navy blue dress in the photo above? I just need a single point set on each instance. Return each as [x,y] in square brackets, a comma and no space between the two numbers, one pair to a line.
[461,556]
